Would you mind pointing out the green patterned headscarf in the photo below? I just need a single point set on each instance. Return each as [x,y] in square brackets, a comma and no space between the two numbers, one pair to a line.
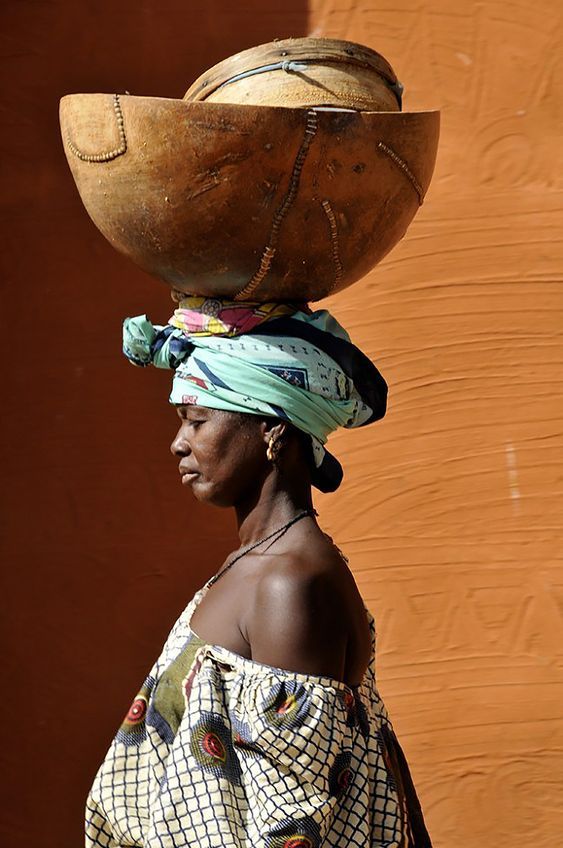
[299,367]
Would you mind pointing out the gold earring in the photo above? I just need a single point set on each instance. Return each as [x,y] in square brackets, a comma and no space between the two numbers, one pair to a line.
[271,450]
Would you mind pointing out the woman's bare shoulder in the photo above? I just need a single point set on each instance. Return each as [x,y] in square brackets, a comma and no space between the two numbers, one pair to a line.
[299,616]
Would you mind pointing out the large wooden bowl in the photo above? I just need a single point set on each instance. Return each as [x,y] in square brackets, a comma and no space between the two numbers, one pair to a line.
[257,202]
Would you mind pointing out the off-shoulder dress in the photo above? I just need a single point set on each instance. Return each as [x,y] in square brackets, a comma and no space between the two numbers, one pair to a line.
[219,751]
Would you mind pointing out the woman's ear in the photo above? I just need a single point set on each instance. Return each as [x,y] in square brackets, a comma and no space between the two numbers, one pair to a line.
[274,429]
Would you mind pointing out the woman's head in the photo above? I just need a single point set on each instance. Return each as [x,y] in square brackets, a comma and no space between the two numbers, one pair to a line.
[301,368]
[228,457]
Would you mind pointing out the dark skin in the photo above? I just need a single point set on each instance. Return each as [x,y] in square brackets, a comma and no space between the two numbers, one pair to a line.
[292,602]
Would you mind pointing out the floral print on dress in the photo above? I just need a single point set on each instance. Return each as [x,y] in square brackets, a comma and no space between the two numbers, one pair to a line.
[295,833]
[212,748]
[340,774]
[286,704]
[133,728]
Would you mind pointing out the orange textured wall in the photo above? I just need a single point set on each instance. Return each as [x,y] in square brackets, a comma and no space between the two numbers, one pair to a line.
[451,509]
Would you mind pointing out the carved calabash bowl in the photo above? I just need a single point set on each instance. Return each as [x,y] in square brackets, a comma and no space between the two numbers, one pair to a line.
[247,201]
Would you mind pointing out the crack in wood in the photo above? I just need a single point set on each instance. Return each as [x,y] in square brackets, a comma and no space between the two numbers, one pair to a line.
[270,250]
[402,165]
[339,270]
[208,186]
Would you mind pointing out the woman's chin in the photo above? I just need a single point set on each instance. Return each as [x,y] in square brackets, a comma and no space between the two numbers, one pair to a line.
[196,484]
[213,495]
[203,490]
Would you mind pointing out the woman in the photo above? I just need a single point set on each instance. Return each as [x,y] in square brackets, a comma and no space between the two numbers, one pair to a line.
[260,724]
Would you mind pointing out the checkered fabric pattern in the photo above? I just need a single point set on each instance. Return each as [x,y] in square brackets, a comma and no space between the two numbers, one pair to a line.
[243,755]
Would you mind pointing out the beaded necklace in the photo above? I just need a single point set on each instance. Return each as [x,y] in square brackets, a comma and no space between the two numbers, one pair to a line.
[277,533]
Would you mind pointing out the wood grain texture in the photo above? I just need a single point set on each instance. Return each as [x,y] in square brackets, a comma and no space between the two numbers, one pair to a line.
[451,508]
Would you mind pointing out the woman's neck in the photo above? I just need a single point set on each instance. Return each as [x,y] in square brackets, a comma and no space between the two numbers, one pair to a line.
[271,508]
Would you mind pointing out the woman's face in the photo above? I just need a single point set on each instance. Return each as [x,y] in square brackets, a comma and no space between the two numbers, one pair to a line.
[222,455]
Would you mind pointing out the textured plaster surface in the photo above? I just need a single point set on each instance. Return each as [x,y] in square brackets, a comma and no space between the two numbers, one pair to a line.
[451,508]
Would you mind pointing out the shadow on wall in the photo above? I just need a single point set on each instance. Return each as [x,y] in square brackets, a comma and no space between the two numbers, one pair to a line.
[105,547]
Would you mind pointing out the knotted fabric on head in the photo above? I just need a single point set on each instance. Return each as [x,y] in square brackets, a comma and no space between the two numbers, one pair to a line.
[268,359]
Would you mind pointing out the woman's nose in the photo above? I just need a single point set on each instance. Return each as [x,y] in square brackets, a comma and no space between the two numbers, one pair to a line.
[180,445]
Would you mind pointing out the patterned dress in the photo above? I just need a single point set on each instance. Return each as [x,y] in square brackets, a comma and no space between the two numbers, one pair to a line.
[218,751]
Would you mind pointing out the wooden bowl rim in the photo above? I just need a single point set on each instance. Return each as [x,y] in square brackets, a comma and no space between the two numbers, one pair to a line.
[196,105]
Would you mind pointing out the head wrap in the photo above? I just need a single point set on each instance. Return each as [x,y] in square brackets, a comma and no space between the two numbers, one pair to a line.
[294,364]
